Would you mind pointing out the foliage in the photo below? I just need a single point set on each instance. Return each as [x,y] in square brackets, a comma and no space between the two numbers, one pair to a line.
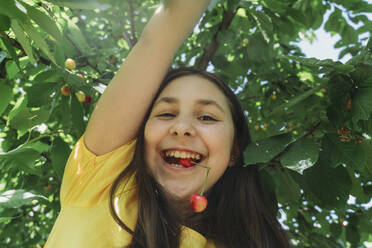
[310,119]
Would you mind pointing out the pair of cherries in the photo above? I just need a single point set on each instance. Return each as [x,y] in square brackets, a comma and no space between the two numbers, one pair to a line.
[198,202]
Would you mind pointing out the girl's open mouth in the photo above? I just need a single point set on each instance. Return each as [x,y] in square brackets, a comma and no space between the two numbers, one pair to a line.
[181,158]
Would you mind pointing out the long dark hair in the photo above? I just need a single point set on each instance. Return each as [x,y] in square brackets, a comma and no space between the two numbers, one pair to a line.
[238,213]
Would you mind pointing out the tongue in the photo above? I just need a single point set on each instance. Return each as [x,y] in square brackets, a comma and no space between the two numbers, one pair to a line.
[185,162]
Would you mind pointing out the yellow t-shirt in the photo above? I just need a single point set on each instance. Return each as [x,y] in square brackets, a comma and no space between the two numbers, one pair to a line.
[85,220]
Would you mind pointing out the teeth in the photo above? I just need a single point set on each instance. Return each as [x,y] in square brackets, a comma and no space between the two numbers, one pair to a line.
[177,165]
[182,154]
[177,154]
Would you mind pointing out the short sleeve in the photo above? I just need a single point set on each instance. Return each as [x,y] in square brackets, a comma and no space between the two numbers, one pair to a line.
[87,177]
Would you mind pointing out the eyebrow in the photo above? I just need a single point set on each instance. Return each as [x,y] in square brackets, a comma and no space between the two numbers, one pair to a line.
[205,102]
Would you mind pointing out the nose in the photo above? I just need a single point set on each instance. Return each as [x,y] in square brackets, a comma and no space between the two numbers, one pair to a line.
[182,128]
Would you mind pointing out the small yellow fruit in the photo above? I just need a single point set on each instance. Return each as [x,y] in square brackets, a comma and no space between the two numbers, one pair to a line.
[256,127]
[264,127]
[65,90]
[278,90]
[70,64]
[273,97]
[80,96]
[245,42]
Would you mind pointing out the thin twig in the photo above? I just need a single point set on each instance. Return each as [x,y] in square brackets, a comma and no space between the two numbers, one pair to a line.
[78,49]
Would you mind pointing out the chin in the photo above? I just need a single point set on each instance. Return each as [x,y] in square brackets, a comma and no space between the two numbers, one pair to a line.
[179,193]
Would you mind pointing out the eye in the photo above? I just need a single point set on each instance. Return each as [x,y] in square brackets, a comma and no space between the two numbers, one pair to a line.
[207,118]
[166,115]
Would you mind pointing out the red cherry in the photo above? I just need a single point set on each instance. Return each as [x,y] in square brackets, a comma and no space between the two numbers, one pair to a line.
[88,99]
[185,162]
[198,203]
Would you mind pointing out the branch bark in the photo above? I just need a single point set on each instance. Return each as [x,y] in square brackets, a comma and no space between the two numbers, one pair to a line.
[132,23]
[210,50]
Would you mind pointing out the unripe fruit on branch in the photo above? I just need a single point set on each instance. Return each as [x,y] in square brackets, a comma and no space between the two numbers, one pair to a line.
[70,64]
[80,96]
[198,203]
[273,97]
[256,127]
[245,42]
[264,127]
[65,90]
[348,104]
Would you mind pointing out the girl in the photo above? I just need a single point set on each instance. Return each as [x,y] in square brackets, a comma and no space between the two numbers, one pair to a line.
[124,185]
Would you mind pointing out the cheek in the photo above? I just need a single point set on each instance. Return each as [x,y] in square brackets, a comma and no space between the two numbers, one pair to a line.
[153,135]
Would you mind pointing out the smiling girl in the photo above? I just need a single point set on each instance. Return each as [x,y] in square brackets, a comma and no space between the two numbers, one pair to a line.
[124,183]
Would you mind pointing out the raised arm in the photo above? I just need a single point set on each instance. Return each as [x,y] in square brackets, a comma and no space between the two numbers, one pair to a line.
[122,107]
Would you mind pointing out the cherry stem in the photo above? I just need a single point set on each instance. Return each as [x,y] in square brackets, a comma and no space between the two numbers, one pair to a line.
[206,177]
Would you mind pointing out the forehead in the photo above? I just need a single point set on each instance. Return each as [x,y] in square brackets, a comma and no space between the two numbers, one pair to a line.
[194,87]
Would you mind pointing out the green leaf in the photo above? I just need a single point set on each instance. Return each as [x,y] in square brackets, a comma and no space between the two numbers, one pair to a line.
[44,21]
[38,39]
[59,155]
[39,146]
[40,94]
[18,198]
[264,23]
[28,118]
[20,104]
[361,107]
[11,51]
[21,159]
[51,75]
[301,155]
[338,152]
[21,37]
[352,234]
[287,190]
[367,150]
[286,106]
[276,6]
[331,186]
[6,95]
[2,56]
[82,4]
[335,229]
[317,63]
[264,150]
[4,23]
[77,116]
[77,37]
[13,9]
[12,70]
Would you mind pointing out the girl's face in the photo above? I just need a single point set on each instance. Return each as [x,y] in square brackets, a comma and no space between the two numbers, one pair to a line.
[191,117]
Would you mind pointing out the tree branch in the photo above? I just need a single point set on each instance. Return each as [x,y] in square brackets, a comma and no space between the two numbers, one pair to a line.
[127,38]
[132,23]
[210,50]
